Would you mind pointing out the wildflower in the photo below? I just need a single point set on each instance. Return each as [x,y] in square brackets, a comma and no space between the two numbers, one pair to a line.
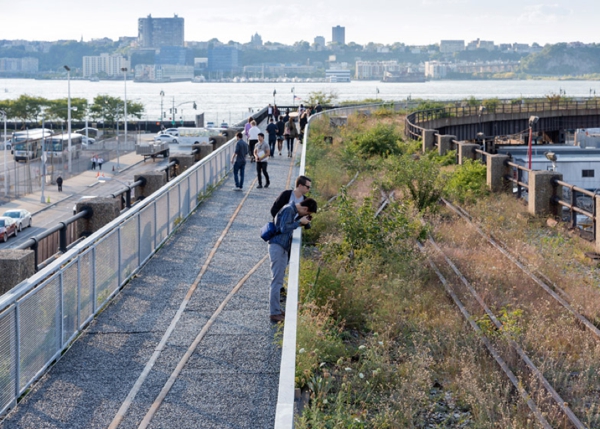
[362,347]
[322,364]
[381,343]
[348,369]
[361,375]
[325,401]
[301,351]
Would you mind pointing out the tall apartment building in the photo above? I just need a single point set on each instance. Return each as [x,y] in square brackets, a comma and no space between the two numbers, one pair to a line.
[19,65]
[450,46]
[156,32]
[104,63]
[338,35]
[319,41]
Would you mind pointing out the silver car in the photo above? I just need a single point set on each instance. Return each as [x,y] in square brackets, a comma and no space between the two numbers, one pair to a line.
[21,216]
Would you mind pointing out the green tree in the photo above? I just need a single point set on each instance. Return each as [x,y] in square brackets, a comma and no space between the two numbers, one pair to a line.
[27,108]
[110,109]
[321,97]
[420,179]
[58,109]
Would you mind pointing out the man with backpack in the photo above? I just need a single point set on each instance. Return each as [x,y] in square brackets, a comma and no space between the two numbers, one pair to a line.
[290,217]
[295,196]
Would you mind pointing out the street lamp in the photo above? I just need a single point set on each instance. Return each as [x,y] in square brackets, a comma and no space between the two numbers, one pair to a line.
[42,199]
[162,115]
[294,96]
[69,112]
[124,70]
[275,93]
[5,181]
[532,121]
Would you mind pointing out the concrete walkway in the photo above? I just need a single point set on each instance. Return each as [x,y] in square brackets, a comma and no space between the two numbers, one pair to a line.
[231,379]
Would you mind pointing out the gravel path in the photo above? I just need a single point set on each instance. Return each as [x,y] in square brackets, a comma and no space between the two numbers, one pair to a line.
[232,377]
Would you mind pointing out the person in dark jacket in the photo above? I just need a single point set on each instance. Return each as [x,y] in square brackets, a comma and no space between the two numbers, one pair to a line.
[59,181]
[287,220]
[295,196]
[280,130]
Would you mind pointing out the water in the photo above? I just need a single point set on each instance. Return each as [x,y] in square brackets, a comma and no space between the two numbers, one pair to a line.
[233,102]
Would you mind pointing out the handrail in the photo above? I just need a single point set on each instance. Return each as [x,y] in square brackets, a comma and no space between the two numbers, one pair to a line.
[415,121]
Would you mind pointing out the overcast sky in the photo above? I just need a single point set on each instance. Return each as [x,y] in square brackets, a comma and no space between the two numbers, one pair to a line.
[412,22]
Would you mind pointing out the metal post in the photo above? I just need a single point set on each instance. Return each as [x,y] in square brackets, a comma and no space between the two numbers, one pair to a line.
[5,166]
[42,199]
[69,111]
[162,114]
[124,70]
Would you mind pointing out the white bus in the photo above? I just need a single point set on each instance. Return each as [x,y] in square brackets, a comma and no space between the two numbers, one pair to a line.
[57,147]
[27,144]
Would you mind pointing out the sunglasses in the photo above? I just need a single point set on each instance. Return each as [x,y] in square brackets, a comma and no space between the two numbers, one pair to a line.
[307,186]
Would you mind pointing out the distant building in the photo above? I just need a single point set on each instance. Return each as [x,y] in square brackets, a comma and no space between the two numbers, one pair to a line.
[200,65]
[223,59]
[337,75]
[451,46]
[338,35]
[19,65]
[486,44]
[163,73]
[171,55]
[436,69]
[157,32]
[104,63]
[256,40]
[375,69]
[319,42]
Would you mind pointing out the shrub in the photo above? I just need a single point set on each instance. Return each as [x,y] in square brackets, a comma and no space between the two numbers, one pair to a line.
[380,140]
[420,180]
[467,183]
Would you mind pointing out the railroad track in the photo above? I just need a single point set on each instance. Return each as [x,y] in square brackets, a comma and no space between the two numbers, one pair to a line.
[524,370]
[139,384]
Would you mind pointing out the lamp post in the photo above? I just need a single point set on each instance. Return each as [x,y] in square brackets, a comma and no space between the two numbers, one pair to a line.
[274,94]
[5,178]
[162,115]
[42,199]
[124,70]
[532,121]
[294,96]
[69,111]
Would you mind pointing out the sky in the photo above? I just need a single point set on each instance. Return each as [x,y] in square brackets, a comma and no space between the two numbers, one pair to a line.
[415,22]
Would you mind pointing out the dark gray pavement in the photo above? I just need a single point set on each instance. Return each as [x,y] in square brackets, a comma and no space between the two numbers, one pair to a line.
[232,377]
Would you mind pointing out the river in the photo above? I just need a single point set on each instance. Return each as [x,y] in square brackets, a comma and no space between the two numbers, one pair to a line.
[232,102]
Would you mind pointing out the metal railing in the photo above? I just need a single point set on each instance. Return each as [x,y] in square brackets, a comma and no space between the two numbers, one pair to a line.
[284,415]
[415,120]
[41,316]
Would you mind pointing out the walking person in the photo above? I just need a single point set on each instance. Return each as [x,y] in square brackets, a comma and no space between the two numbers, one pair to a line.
[100,162]
[287,220]
[93,162]
[59,182]
[290,134]
[272,132]
[239,161]
[253,139]
[269,112]
[303,121]
[280,131]
[261,153]
[276,112]
[247,127]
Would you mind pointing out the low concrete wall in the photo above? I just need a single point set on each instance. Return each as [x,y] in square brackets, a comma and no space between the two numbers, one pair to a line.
[15,266]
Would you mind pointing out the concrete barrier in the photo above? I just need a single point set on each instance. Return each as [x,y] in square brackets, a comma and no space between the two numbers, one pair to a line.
[428,140]
[496,170]
[104,211]
[444,144]
[467,151]
[541,191]
[154,181]
[16,266]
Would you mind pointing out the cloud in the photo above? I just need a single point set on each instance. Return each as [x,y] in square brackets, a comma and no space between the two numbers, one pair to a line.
[544,14]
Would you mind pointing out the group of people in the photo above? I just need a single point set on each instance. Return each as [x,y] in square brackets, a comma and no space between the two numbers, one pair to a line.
[291,209]
[97,161]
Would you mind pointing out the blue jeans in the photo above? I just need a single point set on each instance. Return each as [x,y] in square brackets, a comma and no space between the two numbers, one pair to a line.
[239,167]
[272,145]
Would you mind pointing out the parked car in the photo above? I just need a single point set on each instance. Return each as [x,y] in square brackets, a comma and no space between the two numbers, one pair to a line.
[91,132]
[21,216]
[8,227]
[171,131]
[87,140]
[166,138]
[8,144]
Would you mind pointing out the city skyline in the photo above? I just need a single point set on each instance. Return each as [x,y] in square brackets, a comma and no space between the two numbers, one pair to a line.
[416,23]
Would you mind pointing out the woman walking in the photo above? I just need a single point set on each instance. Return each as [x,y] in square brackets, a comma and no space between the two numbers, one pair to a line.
[290,133]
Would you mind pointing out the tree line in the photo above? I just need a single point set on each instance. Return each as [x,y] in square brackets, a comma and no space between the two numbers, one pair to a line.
[109,109]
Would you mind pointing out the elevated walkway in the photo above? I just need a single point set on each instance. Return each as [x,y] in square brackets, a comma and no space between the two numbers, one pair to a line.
[114,373]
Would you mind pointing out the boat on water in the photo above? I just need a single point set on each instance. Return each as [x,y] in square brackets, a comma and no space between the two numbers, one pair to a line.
[406,76]
[95,79]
